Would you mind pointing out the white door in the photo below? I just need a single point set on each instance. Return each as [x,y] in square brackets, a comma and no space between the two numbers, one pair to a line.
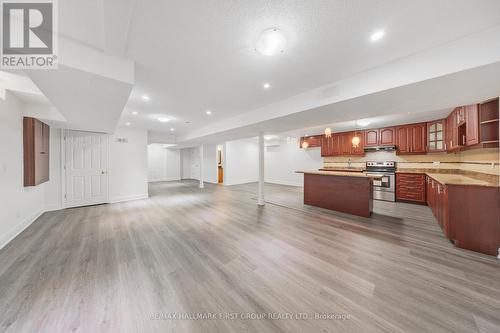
[86,156]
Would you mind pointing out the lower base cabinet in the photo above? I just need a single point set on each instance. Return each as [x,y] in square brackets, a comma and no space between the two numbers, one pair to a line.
[468,214]
[410,187]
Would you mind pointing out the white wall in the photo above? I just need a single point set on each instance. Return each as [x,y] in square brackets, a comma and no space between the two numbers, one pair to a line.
[210,163]
[190,163]
[241,162]
[19,205]
[163,163]
[282,161]
[128,165]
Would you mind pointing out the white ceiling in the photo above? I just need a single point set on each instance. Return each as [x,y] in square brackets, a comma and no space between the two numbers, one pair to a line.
[191,56]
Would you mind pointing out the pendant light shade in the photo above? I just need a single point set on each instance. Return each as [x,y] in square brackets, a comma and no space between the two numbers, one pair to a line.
[328,132]
[355,141]
[305,145]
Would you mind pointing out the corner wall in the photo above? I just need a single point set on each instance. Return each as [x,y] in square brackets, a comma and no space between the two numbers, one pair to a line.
[128,165]
[19,205]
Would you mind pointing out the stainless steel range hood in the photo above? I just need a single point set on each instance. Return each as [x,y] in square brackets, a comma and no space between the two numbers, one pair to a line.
[380,148]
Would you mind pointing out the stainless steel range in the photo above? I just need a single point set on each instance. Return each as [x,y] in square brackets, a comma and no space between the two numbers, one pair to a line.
[385,187]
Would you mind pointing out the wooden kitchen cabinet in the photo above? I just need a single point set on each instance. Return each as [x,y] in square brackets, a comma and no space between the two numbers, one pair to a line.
[387,136]
[345,143]
[410,187]
[403,145]
[418,139]
[360,150]
[467,214]
[436,136]
[312,141]
[36,145]
[372,137]
[411,139]
[336,148]
[472,125]
[326,146]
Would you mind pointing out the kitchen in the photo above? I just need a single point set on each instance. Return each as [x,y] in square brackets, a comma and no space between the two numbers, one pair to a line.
[450,165]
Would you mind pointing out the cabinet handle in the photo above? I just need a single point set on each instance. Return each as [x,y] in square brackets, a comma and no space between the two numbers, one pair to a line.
[463,140]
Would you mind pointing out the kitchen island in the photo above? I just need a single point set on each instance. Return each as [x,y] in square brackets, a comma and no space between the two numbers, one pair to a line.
[347,192]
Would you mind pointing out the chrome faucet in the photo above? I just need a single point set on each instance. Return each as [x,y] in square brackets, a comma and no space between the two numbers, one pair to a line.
[349,164]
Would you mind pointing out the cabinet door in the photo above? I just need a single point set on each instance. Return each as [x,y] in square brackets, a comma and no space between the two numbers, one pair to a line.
[371,138]
[387,136]
[336,142]
[472,124]
[326,146]
[402,139]
[360,150]
[345,143]
[460,115]
[436,136]
[418,138]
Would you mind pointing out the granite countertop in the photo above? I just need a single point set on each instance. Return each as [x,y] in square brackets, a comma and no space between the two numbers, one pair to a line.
[453,179]
[449,177]
[337,173]
[345,169]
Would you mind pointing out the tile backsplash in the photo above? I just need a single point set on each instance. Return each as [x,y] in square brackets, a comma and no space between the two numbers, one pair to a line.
[478,160]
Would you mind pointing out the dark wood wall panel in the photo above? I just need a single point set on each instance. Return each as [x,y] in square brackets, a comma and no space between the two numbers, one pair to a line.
[36,143]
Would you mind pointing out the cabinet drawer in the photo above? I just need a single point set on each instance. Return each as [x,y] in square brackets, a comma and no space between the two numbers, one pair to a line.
[410,187]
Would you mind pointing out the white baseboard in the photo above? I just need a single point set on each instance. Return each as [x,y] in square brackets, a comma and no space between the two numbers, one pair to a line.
[284,182]
[129,198]
[248,181]
[52,208]
[18,228]
[163,180]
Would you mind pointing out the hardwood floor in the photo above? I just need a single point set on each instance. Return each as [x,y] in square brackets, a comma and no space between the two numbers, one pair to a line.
[126,267]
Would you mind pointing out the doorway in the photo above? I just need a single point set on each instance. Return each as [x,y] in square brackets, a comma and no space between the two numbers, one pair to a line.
[220,165]
[85,168]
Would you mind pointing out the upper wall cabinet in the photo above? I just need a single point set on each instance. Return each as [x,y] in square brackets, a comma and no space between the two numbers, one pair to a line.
[436,136]
[36,151]
[312,141]
[371,138]
[488,124]
[380,137]
[411,139]
[472,125]
[387,136]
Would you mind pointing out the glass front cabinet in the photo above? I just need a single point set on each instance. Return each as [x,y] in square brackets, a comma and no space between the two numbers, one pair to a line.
[436,136]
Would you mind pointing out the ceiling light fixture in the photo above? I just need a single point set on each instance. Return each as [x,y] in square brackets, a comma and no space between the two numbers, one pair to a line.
[146,97]
[127,124]
[266,85]
[163,120]
[208,112]
[172,129]
[271,42]
[134,113]
[355,139]
[377,35]
[328,132]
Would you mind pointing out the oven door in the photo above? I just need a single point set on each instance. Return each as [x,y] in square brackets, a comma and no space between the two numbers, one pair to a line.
[385,183]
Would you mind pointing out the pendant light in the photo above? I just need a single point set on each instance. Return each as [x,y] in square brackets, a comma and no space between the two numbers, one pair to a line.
[328,132]
[355,140]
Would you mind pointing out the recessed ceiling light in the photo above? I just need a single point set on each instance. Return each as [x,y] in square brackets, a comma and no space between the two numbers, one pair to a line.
[146,97]
[163,120]
[127,124]
[208,112]
[172,129]
[134,113]
[271,42]
[377,35]
[266,85]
